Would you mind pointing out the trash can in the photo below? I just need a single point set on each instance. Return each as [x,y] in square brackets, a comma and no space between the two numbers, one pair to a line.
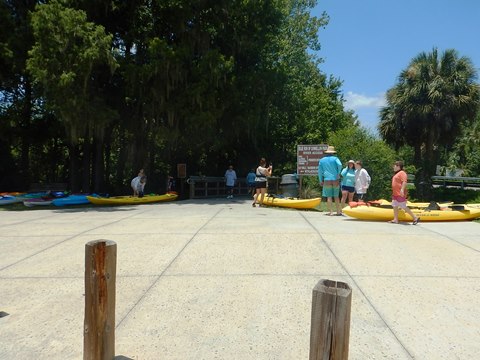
[289,185]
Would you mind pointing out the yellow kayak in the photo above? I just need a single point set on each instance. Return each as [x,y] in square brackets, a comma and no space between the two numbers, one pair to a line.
[291,202]
[131,200]
[448,213]
[386,203]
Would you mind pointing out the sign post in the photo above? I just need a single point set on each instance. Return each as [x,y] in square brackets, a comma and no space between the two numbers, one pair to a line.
[182,171]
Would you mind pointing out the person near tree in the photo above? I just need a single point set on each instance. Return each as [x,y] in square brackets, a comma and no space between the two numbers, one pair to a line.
[251,182]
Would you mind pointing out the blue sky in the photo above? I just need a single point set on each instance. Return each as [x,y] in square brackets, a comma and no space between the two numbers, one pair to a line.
[367,43]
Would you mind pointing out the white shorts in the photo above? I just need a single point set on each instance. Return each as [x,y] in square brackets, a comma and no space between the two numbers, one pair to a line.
[402,205]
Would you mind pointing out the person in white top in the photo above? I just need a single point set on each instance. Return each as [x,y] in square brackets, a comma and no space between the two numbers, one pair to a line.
[261,175]
[230,179]
[136,182]
[362,180]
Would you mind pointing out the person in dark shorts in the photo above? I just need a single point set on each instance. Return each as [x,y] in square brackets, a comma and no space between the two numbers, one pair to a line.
[348,183]
[261,181]
[251,182]
[362,181]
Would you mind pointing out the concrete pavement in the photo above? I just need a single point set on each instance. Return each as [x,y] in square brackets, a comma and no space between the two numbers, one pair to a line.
[217,279]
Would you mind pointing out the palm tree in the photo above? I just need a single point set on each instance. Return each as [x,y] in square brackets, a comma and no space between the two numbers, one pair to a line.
[434,96]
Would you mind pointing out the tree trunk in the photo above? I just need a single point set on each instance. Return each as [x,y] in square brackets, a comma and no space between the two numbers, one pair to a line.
[417,155]
[73,167]
[26,137]
[108,154]
[122,160]
[140,159]
[86,162]
[99,170]
[428,164]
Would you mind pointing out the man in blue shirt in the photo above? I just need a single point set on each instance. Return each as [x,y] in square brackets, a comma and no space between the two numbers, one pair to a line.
[251,182]
[230,180]
[329,169]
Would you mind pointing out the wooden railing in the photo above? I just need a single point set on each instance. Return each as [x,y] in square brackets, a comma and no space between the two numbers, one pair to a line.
[213,186]
[456,181]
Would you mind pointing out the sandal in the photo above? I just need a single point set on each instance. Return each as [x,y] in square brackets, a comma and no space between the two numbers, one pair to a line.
[392,222]
[253,205]
[416,221]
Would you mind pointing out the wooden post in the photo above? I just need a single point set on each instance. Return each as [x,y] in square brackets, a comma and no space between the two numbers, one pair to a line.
[300,186]
[330,331]
[180,188]
[191,184]
[99,322]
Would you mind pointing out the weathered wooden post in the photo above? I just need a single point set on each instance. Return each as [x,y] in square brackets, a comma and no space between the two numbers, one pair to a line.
[330,331]
[99,323]
[191,184]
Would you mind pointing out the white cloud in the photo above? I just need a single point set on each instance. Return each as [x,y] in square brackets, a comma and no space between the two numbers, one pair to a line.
[355,101]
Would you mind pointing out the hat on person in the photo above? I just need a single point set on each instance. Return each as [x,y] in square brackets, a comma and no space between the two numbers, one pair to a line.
[351,161]
[330,150]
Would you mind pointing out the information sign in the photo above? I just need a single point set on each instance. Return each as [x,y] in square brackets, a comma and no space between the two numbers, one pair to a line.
[182,171]
[308,157]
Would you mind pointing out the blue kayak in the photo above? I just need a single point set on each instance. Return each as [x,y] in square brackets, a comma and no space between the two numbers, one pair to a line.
[8,199]
[74,199]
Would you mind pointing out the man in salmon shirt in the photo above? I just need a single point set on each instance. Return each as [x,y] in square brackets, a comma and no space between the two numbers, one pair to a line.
[399,193]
